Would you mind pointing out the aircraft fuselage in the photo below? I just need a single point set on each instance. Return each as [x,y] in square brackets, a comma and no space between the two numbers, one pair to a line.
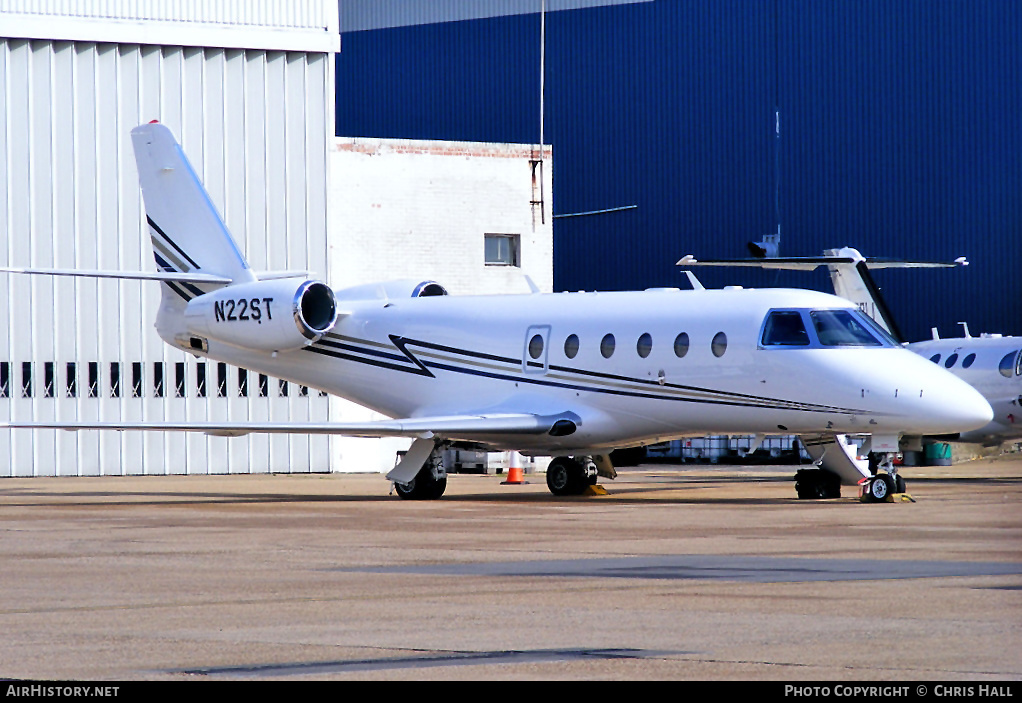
[635,367]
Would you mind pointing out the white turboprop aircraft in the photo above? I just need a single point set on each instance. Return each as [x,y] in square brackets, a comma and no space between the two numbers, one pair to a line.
[569,375]
[992,364]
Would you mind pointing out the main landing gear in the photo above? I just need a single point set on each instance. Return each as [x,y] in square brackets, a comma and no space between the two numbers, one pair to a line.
[569,476]
[429,484]
[817,483]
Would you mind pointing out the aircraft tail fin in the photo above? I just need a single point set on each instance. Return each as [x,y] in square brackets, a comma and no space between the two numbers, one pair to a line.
[188,234]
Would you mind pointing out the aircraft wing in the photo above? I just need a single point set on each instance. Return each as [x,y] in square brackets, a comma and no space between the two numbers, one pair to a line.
[421,427]
[810,263]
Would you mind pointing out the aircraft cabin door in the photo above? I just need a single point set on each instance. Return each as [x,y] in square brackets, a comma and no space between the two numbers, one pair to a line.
[535,357]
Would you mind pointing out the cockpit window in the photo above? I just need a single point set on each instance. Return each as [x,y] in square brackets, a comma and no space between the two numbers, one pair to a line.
[842,328]
[785,328]
[1011,364]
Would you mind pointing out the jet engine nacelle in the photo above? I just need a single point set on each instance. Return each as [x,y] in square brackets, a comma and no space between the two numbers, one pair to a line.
[265,315]
[392,290]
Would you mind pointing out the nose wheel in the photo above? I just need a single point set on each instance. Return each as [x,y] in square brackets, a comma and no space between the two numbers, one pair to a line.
[882,486]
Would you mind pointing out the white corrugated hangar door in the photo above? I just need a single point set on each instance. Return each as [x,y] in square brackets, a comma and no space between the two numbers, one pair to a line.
[255,124]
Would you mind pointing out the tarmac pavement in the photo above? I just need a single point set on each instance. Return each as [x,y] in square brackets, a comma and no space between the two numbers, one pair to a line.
[688,572]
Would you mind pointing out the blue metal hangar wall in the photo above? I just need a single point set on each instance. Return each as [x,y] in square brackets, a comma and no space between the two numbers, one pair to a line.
[893,126]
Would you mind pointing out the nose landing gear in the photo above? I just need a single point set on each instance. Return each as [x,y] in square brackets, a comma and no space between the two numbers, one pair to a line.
[881,487]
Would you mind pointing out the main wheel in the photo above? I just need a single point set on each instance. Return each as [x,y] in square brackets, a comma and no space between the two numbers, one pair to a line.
[817,483]
[425,486]
[566,477]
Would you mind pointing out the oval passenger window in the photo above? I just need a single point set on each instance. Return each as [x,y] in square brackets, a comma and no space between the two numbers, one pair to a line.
[681,345]
[536,346]
[571,346]
[719,344]
[645,345]
[607,346]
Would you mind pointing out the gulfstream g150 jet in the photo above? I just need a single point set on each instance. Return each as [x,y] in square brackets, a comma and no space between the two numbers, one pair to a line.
[568,375]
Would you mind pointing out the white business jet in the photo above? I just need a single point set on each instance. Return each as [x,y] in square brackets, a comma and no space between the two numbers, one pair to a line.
[992,364]
[568,375]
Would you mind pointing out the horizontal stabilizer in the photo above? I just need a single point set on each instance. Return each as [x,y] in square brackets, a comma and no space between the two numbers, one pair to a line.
[278,275]
[450,426]
[127,275]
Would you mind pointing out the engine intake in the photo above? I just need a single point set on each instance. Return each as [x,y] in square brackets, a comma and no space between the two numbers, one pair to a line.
[265,315]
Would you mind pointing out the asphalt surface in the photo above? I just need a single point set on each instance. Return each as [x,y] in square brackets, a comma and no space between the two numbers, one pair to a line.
[680,572]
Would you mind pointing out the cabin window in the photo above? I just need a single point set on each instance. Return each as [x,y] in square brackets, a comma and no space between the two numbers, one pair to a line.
[719,344]
[502,250]
[607,345]
[645,345]
[536,346]
[950,361]
[785,328]
[935,358]
[681,345]
[840,328]
[967,361]
[571,346]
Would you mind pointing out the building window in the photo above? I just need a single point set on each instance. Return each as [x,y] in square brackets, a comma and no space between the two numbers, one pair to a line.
[49,381]
[26,379]
[179,379]
[221,380]
[503,250]
[115,379]
[5,379]
[71,379]
[200,380]
[136,379]
[158,379]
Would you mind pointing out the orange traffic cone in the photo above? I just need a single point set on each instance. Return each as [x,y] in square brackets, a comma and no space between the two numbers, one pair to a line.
[515,475]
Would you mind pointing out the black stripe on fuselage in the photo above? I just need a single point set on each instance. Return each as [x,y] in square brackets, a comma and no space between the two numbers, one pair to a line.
[422,368]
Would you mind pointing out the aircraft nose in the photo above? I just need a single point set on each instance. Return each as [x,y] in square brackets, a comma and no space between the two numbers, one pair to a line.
[955,405]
